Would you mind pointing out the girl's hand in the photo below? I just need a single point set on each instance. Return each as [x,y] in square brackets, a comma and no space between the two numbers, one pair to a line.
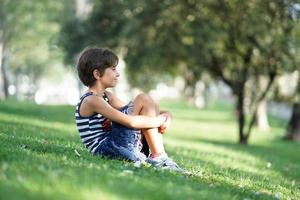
[168,118]
[106,125]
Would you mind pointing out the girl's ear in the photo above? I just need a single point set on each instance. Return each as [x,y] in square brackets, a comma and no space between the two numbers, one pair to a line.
[96,74]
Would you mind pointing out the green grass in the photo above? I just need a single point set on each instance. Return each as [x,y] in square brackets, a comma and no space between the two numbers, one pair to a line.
[38,159]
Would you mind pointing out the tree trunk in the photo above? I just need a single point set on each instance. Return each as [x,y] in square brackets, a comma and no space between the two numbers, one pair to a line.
[2,90]
[79,87]
[293,129]
[189,84]
[122,89]
[188,94]
[241,116]
[2,19]
[17,85]
[3,66]
[193,87]
[262,116]
[199,90]
[261,113]
[2,96]
[260,98]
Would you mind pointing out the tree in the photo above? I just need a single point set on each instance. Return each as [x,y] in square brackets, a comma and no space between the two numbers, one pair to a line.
[102,26]
[233,40]
[247,52]
[4,40]
[293,128]
[222,36]
[162,43]
[26,31]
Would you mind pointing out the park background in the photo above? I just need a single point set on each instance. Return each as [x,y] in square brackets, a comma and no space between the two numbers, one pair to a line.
[228,71]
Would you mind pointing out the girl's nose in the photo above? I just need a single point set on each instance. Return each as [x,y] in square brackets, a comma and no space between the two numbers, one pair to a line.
[117,73]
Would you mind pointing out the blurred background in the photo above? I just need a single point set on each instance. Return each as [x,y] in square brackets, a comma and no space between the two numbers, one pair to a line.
[242,53]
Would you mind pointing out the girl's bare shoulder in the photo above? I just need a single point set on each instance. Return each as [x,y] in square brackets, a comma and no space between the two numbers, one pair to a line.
[94,101]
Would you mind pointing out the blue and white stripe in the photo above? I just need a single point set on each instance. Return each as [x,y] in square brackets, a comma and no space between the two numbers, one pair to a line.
[90,128]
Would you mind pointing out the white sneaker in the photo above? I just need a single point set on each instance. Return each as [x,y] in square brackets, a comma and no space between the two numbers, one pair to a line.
[164,162]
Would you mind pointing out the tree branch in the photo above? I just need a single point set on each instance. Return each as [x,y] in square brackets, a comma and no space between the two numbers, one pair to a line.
[216,68]
[272,76]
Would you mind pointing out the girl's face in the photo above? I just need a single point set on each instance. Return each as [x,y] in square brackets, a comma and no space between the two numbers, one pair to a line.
[110,77]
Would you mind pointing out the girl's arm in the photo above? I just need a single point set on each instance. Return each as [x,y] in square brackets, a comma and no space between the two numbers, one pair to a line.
[114,101]
[99,105]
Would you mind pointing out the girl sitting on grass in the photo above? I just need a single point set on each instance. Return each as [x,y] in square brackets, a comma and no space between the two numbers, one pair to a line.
[108,126]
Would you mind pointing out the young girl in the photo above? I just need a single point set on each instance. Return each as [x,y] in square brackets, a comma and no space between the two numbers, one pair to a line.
[108,126]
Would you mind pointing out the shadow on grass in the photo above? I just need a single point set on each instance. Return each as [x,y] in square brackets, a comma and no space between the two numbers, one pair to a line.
[283,155]
[80,174]
[57,113]
[19,129]
[27,150]
[220,175]
[17,191]
[16,135]
[53,149]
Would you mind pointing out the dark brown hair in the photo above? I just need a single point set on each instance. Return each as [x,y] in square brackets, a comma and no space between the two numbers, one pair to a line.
[94,58]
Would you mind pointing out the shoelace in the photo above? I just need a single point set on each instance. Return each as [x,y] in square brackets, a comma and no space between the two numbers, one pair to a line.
[170,162]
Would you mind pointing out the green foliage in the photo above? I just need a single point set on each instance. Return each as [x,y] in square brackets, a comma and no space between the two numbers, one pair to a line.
[160,36]
[38,159]
[154,42]
[29,31]
[102,27]
[71,33]
[138,27]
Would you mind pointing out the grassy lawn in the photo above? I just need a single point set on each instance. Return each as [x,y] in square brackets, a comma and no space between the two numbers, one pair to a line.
[41,157]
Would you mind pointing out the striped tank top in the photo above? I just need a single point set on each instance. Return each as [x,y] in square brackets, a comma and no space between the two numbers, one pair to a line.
[93,129]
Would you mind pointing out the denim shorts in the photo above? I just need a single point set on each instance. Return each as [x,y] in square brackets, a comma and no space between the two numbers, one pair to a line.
[123,142]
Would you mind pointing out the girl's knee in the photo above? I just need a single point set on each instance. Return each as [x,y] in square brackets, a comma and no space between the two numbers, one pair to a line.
[146,104]
[145,99]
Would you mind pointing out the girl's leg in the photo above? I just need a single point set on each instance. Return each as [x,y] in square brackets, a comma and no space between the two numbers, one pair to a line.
[145,105]
[145,150]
